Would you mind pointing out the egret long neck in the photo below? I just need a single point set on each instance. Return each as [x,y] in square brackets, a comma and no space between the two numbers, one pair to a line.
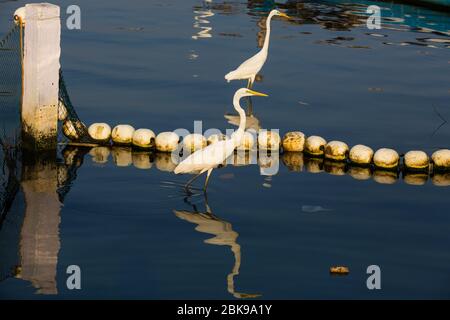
[267,38]
[240,131]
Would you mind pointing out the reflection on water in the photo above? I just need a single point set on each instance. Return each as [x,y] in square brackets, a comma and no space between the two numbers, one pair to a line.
[224,235]
[362,204]
[344,16]
[252,122]
[40,243]
[44,184]
[201,15]
[268,163]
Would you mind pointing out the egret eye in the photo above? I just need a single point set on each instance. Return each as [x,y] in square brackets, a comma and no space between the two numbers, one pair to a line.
[16,17]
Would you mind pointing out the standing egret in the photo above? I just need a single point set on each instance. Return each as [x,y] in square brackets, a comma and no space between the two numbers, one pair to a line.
[205,160]
[250,68]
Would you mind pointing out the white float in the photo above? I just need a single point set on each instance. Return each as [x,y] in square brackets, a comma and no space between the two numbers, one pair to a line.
[193,142]
[441,159]
[269,140]
[315,145]
[361,154]
[294,141]
[69,129]
[336,150]
[62,112]
[122,134]
[247,142]
[386,158]
[144,138]
[100,131]
[416,160]
[167,141]
[216,138]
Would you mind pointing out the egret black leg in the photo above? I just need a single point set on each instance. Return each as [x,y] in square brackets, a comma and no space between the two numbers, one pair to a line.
[207,179]
[186,187]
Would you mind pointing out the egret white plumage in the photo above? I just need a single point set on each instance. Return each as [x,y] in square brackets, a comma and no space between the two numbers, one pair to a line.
[209,158]
[250,68]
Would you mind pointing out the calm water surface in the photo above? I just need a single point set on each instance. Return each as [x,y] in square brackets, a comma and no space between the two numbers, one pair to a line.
[160,64]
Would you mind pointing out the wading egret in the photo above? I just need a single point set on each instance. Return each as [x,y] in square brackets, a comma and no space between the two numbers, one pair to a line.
[250,68]
[205,160]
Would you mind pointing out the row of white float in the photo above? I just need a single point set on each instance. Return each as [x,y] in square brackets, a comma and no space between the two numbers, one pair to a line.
[270,140]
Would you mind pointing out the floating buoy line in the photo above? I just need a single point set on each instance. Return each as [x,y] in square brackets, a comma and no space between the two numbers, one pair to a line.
[142,148]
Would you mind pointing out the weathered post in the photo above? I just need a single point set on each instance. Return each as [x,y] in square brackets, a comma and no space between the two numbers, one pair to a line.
[41,76]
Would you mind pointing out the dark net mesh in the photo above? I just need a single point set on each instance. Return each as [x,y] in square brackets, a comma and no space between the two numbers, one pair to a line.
[10,85]
[10,100]
[72,127]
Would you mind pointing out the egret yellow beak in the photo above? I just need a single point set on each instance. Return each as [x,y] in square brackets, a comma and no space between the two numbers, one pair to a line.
[284,15]
[255,93]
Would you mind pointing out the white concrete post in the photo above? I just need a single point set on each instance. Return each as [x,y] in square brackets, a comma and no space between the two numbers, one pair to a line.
[41,76]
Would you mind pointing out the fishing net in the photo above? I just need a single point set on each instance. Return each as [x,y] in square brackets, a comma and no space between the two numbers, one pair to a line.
[10,86]
[73,129]
[10,100]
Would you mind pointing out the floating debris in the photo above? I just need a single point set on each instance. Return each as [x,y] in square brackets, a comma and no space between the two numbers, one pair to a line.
[339,270]
[314,209]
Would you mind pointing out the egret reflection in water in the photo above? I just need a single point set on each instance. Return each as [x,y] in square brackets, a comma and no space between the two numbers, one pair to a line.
[224,235]
[202,13]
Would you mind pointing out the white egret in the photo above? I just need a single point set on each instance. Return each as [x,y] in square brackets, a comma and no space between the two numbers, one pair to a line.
[250,68]
[205,160]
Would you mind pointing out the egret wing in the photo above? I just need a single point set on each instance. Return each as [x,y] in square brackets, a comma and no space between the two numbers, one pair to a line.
[207,158]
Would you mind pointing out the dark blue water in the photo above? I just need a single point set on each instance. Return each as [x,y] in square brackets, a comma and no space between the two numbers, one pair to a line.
[135,235]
